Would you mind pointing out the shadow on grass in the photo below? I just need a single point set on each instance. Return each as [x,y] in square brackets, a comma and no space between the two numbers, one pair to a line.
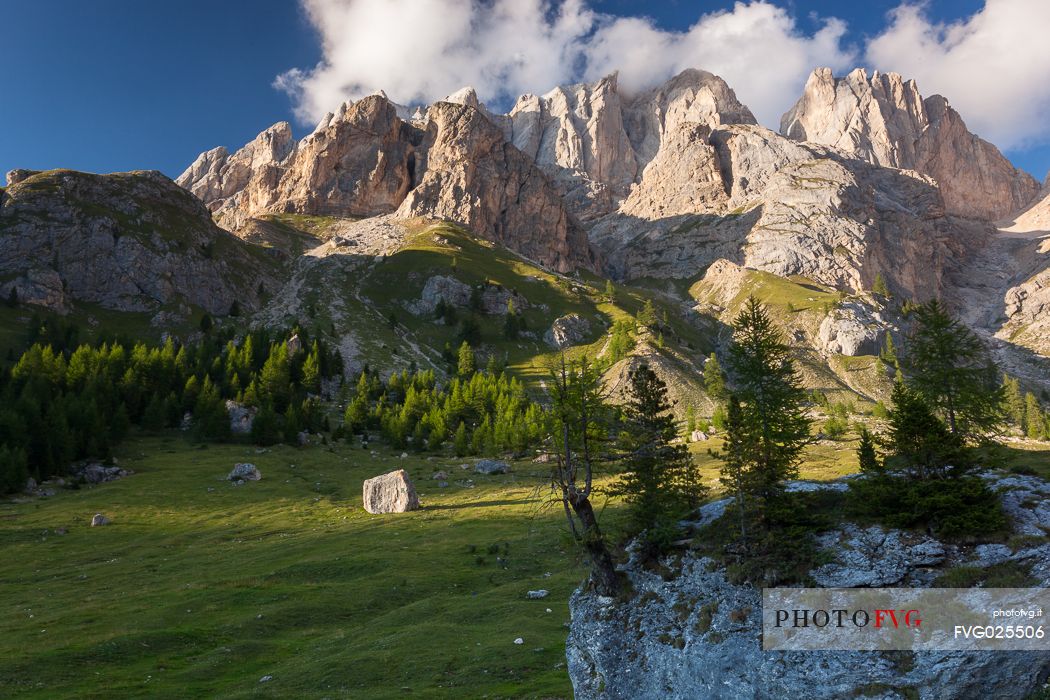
[479,504]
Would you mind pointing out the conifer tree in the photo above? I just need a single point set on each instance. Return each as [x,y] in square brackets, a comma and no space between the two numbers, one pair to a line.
[647,316]
[460,443]
[919,439]
[715,380]
[467,364]
[1035,422]
[1014,403]
[660,482]
[879,287]
[773,428]
[950,368]
[867,457]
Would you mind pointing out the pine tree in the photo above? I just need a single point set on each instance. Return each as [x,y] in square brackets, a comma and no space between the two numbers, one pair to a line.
[879,287]
[460,442]
[867,458]
[311,371]
[610,291]
[773,426]
[1036,423]
[647,316]
[950,367]
[467,364]
[918,438]
[889,351]
[715,380]
[1014,403]
[659,483]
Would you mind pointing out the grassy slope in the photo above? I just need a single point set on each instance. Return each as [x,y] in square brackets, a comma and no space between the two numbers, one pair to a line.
[166,601]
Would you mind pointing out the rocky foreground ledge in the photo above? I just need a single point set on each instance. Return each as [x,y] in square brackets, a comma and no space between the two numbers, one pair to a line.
[699,636]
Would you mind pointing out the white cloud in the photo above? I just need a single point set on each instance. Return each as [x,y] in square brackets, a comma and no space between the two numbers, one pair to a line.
[421,50]
[994,67]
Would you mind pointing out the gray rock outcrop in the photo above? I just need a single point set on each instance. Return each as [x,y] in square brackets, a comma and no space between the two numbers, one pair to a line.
[566,331]
[697,635]
[852,328]
[125,241]
[99,520]
[884,120]
[241,417]
[392,492]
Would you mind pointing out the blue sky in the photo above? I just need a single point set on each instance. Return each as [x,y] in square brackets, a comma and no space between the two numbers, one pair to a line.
[116,85]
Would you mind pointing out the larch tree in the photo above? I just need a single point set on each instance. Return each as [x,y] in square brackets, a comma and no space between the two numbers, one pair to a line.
[580,416]
[949,366]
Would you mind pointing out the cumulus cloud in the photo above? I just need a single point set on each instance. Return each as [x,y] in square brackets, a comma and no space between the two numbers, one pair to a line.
[994,67]
[418,51]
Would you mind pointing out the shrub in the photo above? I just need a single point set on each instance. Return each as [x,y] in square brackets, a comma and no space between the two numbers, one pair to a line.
[950,508]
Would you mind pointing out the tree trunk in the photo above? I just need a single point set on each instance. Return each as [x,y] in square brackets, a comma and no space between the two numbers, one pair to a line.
[603,571]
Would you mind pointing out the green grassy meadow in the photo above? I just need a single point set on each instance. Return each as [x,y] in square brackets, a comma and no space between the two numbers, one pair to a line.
[200,588]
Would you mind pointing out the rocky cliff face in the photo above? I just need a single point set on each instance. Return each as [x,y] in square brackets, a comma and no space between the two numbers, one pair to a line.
[365,160]
[884,120]
[766,202]
[126,241]
[695,634]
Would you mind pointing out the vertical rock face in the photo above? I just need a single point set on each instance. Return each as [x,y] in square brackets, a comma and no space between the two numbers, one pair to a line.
[473,176]
[884,120]
[364,160]
[692,96]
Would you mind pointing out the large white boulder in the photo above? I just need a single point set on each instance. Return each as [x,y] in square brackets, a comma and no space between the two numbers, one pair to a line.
[390,493]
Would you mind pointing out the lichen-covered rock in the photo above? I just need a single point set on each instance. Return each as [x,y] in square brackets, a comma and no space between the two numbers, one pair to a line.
[491,466]
[874,557]
[567,331]
[99,520]
[697,635]
[244,471]
[390,493]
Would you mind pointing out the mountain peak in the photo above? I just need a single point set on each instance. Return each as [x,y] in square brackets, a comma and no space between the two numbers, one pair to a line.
[885,120]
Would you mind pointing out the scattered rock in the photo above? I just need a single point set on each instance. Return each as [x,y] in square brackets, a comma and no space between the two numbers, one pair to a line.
[519,641]
[440,476]
[30,485]
[390,493]
[244,471]
[491,466]
[697,436]
[536,595]
[99,520]
[303,438]
[95,473]
[266,679]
